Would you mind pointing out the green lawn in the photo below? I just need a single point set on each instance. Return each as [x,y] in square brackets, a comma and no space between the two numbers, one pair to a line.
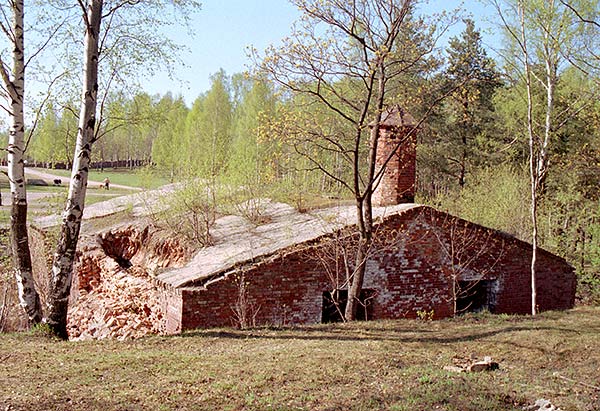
[133,178]
[54,203]
[3,182]
[390,365]
[4,217]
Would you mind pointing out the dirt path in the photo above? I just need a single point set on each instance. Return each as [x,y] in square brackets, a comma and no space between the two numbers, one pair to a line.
[31,196]
[32,172]
[49,177]
[140,204]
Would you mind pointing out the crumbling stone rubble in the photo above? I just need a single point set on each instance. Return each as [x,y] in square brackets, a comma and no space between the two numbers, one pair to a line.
[472,365]
[542,405]
[114,294]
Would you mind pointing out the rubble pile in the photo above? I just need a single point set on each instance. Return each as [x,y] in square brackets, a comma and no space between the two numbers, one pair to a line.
[472,364]
[150,247]
[114,295]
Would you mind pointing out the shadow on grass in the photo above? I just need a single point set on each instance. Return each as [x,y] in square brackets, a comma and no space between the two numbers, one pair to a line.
[412,336]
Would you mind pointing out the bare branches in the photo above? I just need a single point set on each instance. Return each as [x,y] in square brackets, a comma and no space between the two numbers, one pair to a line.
[342,61]
[5,26]
[471,253]
[581,18]
[8,84]
[97,134]
[83,8]
[345,70]
[40,108]
[45,44]
[120,5]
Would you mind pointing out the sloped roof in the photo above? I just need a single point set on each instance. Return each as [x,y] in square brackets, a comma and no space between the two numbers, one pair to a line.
[396,117]
[238,241]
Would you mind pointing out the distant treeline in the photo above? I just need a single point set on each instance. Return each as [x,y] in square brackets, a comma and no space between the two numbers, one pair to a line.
[472,153]
[94,165]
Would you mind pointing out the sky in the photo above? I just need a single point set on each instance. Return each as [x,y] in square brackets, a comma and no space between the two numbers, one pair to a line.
[225,28]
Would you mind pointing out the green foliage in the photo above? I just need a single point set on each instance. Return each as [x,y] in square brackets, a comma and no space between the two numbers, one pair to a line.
[145,177]
[299,185]
[9,316]
[588,284]
[43,330]
[54,140]
[168,145]
[496,197]
[343,65]
[128,130]
[191,211]
[4,250]
[570,223]
[45,146]
[208,130]
[249,162]
[4,217]
[425,315]
[3,142]
[459,133]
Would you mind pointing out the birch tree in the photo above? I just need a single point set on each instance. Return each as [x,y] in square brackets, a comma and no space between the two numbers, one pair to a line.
[171,113]
[62,265]
[208,130]
[585,56]
[543,33]
[120,18]
[13,86]
[347,60]
[250,153]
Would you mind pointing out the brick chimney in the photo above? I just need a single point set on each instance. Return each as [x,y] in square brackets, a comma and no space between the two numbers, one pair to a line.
[397,183]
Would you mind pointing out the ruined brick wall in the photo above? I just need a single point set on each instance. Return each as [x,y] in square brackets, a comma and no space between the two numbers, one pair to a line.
[284,291]
[484,253]
[114,293]
[397,185]
[171,305]
[410,270]
[407,270]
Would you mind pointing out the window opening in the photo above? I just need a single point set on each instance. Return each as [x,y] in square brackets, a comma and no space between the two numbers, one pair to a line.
[334,305]
[476,296]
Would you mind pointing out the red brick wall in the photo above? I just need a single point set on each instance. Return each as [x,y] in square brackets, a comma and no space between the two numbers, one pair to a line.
[287,290]
[424,245]
[409,270]
[171,305]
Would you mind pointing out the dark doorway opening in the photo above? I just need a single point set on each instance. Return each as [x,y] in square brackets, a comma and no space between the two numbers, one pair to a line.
[475,296]
[334,305]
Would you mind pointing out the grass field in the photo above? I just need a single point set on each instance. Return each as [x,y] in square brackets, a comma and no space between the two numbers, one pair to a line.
[141,178]
[392,365]
[50,199]
[133,178]
[4,217]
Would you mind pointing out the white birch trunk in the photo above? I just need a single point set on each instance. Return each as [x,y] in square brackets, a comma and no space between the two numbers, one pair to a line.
[538,150]
[532,157]
[62,266]
[28,296]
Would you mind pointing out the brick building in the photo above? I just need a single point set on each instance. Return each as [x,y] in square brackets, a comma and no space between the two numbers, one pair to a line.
[292,270]
[396,159]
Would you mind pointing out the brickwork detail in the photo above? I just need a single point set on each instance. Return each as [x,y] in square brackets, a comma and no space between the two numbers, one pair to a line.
[408,271]
[397,183]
